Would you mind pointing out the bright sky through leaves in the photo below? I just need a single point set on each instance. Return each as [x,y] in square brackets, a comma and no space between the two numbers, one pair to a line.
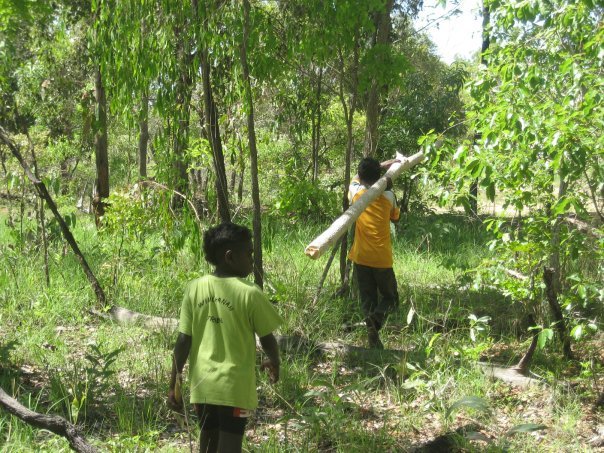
[454,29]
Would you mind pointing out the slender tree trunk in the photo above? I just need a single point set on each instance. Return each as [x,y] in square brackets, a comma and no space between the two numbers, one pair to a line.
[344,275]
[43,192]
[41,218]
[10,211]
[525,361]
[317,129]
[552,299]
[407,191]
[241,163]
[143,137]
[552,276]
[486,42]
[382,39]
[180,139]
[101,190]
[213,131]
[251,130]
[349,111]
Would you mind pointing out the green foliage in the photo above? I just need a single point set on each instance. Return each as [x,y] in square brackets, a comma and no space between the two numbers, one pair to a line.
[468,402]
[536,106]
[302,199]
[79,386]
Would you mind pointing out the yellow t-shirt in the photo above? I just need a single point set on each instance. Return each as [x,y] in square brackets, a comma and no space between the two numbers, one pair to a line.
[372,245]
[222,314]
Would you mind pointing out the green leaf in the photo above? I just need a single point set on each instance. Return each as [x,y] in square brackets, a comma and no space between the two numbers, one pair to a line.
[544,336]
[525,428]
[472,402]
[577,332]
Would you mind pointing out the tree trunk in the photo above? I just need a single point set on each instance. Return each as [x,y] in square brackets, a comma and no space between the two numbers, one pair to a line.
[213,131]
[51,423]
[241,162]
[317,130]
[407,191]
[101,189]
[9,196]
[552,299]
[349,109]
[41,219]
[383,26]
[251,130]
[182,116]
[143,137]
[524,363]
[486,41]
[43,193]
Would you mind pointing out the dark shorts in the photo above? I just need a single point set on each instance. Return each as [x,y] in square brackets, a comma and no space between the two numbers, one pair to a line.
[222,418]
[378,291]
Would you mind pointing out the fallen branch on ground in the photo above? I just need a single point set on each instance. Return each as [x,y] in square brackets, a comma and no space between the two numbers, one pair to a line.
[286,343]
[583,227]
[52,423]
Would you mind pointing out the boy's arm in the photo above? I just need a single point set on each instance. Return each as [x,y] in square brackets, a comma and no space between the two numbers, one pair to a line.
[179,358]
[271,348]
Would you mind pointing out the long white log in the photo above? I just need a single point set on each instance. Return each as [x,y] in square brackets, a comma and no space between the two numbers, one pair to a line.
[326,239]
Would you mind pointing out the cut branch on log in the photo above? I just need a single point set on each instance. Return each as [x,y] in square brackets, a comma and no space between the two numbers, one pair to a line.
[52,423]
[339,227]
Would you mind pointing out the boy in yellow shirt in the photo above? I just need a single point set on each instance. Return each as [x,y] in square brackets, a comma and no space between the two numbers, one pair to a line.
[220,315]
[371,251]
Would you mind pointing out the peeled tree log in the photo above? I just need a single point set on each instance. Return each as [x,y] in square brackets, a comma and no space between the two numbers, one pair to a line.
[339,227]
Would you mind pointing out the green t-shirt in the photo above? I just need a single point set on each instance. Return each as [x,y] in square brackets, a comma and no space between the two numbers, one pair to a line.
[222,314]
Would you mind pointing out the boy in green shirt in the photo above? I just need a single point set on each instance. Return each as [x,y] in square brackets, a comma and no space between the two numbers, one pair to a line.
[220,315]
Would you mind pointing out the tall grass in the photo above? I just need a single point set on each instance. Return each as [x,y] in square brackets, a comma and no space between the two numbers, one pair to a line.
[322,403]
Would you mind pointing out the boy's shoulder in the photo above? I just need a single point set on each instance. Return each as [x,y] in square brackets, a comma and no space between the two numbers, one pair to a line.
[241,283]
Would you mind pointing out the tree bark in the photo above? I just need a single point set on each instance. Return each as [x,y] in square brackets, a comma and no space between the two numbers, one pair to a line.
[552,299]
[383,26]
[182,116]
[251,130]
[317,129]
[43,193]
[52,423]
[486,42]
[213,131]
[349,109]
[525,361]
[143,137]
[101,189]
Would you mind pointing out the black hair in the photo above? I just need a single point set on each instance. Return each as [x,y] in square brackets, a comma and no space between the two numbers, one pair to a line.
[218,239]
[369,170]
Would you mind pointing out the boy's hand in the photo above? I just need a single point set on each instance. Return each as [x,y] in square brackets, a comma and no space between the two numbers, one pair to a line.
[272,369]
[387,163]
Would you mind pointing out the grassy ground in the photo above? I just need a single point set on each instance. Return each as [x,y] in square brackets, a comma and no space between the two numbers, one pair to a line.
[112,379]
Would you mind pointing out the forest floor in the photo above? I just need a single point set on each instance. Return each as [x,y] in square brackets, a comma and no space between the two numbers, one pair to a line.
[427,390]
